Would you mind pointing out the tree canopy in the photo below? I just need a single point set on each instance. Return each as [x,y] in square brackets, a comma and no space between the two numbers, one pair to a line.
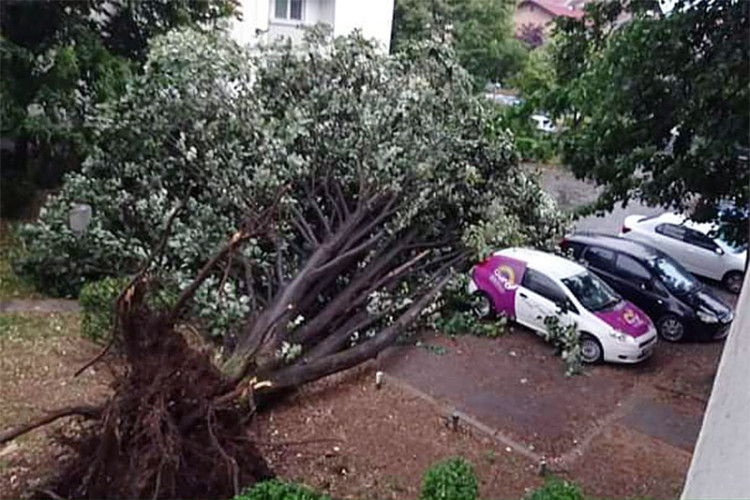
[62,58]
[391,174]
[657,107]
[482,31]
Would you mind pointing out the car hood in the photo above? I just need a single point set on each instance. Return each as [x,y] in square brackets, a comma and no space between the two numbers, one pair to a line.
[704,299]
[626,318]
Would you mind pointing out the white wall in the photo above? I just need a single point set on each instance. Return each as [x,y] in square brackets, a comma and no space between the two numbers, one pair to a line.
[373,17]
[254,17]
[721,461]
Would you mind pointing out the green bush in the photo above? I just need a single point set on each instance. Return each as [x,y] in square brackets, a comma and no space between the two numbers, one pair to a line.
[97,300]
[451,479]
[279,490]
[556,489]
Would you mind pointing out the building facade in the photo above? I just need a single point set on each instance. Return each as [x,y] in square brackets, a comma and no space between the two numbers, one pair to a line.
[269,20]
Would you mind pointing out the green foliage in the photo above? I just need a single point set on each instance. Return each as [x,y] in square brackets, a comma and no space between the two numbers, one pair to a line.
[657,107]
[556,489]
[567,341]
[451,479]
[97,301]
[279,490]
[480,29]
[222,129]
[61,59]
[11,284]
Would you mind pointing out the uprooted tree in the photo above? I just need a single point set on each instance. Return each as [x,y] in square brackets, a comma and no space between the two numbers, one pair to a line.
[320,200]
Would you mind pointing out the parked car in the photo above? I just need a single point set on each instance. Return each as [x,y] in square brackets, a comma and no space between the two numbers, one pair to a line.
[678,303]
[529,285]
[543,123]
[696,246]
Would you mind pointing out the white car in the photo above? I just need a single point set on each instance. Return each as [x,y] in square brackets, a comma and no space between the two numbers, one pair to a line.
[529,285]
[693,245]
[543,123]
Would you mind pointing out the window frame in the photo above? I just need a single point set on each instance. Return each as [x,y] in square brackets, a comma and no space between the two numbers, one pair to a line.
[659,229]
[591,248]
[626,274]
[531,274]
[710,245]
[288,11]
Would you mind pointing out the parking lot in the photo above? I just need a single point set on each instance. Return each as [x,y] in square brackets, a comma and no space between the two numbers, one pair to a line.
[635,424]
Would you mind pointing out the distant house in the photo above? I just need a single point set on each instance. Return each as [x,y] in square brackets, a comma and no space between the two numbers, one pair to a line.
[534,14]
[267,20]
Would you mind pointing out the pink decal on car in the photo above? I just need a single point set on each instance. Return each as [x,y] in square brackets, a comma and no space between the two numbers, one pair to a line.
[626,318]
[499,277]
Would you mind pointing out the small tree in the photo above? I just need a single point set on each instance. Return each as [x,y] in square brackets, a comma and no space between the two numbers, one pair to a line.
[657,106]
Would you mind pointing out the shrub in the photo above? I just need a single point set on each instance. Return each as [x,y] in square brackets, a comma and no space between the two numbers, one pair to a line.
[97,306]
[567,340]
[556,489]
[279,490]
[451,479]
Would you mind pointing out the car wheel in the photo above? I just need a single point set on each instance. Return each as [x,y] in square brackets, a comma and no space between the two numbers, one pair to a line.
[591,349]
[733,281]
[483,306]
[670,328]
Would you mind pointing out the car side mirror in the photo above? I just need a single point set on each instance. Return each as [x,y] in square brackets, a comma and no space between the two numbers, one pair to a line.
[719,251]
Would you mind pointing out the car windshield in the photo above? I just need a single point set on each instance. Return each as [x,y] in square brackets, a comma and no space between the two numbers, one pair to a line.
[673,276]
[592,292]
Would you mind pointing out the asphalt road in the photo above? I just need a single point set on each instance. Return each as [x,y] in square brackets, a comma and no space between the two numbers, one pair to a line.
[570,193]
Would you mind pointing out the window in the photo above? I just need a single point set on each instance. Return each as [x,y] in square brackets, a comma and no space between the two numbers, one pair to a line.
[631,269]
[674,276]
[671,230]
[288,9]
[539,283]
[600,258]
[700,240]
[593,293]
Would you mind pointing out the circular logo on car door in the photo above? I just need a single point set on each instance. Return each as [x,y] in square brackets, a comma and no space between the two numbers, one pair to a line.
[507,276]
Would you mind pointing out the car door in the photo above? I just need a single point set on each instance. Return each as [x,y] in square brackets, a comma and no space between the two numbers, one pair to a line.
[538,297]
[670,239]
[637,284]
[702,255]
[600,261]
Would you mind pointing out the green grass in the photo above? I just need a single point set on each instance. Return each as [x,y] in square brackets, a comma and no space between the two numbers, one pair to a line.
[36,325]
[12,286]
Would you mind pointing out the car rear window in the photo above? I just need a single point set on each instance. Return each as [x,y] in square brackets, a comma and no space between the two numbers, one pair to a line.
[671,230]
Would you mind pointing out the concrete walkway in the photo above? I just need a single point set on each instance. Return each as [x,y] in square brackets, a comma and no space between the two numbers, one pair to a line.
[39,306]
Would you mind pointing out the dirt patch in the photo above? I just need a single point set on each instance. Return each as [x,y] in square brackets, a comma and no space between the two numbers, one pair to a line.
[625,463]
[39,356]
[343,436]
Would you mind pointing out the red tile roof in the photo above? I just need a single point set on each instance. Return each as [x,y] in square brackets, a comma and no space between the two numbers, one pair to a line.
[556,7]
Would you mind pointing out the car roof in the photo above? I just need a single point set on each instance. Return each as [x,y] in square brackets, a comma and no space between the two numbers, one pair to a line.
[630,247]
[550,264]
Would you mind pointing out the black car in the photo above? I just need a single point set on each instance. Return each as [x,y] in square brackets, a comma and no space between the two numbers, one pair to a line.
[679,304]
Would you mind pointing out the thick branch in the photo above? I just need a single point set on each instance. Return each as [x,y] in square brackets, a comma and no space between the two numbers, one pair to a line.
[296,375]
[68,411]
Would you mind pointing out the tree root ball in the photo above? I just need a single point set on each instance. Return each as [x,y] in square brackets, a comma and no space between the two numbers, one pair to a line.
[162,434]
